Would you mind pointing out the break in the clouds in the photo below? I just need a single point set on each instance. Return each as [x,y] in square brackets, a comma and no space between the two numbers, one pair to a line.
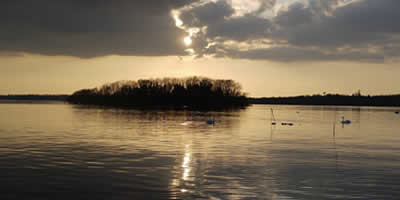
[277,30]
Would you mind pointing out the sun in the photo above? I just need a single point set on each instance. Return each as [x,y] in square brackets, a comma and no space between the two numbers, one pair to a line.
[187,40]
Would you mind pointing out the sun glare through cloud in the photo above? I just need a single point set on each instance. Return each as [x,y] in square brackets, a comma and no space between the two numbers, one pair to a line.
[258,8]
[187,40]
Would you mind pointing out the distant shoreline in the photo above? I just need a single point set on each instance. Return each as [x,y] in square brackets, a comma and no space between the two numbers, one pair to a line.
[314,100]
[331,100]
[35,97]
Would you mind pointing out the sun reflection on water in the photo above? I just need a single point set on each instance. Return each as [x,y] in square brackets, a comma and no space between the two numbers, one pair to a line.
[182,181]
[186,167]
[186,163]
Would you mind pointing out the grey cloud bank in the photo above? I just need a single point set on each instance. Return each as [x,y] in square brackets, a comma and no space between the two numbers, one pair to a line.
[318,30]
[315,30]
[90,28]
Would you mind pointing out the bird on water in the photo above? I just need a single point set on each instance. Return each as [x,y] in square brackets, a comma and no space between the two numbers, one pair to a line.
[345,121]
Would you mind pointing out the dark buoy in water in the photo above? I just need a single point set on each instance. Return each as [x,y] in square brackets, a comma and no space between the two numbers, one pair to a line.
[210,122]
[273,120]
[286,124]
[345,121]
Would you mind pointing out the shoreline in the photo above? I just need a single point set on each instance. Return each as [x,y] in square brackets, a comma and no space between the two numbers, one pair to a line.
[359,101]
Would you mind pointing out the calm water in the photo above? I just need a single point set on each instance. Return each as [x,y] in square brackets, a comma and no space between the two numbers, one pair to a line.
[60,151]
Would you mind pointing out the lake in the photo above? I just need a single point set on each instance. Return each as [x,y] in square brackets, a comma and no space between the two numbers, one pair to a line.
[61,151]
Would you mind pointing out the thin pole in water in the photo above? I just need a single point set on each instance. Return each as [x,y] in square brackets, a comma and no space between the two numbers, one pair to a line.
[273,120]
[334,124]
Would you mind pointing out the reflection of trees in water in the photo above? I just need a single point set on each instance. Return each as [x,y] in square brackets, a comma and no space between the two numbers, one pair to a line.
[162,131]
[148,118]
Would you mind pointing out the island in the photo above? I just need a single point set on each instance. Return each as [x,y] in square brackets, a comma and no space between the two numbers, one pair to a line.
[198,92]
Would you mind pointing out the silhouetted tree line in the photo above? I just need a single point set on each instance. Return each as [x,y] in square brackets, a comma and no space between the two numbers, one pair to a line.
[192,91]
[355,99]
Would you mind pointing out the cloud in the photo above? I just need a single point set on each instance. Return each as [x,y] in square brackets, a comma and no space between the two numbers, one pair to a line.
[220,24]
[305,30]
[217,17]
[296,15]
[310,30]
[206,14]
[296,54]
[265,5]
[91,28]
[361,23]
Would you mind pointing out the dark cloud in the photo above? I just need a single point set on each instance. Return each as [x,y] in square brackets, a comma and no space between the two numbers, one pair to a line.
[265,5]
[91,28]
[369,16]
[221,25]
[296,15]
[365,25]
[323,7]
[296,54]
[207,14]
[393,50]
[362,23]
[217,17]
[364,30]
[241,28]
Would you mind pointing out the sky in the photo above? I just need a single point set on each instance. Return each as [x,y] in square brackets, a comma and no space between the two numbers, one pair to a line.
[272,47]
